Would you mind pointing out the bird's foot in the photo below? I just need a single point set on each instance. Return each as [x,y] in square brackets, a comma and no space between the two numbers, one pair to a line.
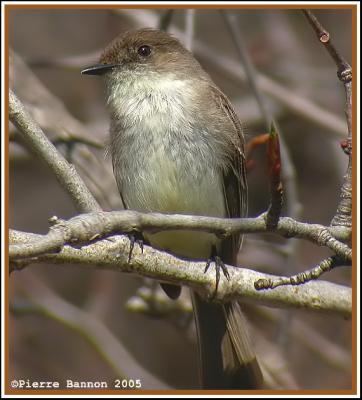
[135,237]
[219,266]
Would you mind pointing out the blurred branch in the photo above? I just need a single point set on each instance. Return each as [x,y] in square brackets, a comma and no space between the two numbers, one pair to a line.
[49,112]
[165,20]
[307,336]
[150,299]
[39,143]
[311,111]
[292,101]
[47,302]
[288,170]
[112,253]
[343,216]
[190,28]
[54,119]
[93,226]
[246,63]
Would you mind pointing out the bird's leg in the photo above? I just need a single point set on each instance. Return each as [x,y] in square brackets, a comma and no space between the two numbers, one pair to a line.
[135,237]
[219,265]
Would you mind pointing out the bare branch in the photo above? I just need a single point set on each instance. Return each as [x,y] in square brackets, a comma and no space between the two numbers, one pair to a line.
[343,216]
[88,227]
[54,118]
[305,276]
[190,28]
[250,72]
[288,171]
[324,38]
[112,254]
[47,302]
[65,173]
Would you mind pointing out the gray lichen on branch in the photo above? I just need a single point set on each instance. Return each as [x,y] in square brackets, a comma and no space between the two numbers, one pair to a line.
[112,253]
[88,227]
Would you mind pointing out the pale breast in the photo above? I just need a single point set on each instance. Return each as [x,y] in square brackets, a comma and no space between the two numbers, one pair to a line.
[166,161]
[160,183]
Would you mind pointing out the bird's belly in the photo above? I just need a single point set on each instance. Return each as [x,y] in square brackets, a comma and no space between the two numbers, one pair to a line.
[188,244]
[180,185]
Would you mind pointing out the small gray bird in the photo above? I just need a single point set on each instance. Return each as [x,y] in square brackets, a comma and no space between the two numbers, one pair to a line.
[177,146]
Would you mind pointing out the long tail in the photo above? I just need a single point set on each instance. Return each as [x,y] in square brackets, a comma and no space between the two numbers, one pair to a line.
[226,354]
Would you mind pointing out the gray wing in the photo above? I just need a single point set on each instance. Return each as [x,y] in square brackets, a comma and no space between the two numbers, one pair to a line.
[234,179]
[240,364]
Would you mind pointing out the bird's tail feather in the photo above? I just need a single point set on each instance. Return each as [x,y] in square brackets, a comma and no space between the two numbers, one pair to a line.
[227,358]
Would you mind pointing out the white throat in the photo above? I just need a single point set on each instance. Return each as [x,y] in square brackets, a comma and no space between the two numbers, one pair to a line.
[136,96]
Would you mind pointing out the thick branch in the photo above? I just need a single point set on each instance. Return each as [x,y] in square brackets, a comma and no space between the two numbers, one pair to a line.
[88,227]
[112,254]
[65,173]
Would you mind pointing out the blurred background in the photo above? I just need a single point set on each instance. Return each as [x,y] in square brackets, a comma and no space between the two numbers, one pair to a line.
[60,314]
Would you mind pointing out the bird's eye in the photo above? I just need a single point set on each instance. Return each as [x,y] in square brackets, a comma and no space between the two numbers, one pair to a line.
[144,50]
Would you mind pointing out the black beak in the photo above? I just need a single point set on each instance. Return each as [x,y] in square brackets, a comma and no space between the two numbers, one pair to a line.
[98,69]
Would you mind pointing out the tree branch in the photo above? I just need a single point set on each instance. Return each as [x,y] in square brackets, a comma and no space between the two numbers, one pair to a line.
[190,15]
[314,273]
[88,227]
[112,253]
[343,216]
[45,301]
[288,171]
[65,173]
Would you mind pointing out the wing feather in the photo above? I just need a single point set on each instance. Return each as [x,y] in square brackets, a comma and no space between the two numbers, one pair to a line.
[234,179]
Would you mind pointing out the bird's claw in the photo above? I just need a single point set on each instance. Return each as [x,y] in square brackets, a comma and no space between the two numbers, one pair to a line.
[219,266]
[135,237]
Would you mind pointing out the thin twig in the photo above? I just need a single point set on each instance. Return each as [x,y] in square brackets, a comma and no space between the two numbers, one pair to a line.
[190,28]
[314,273]
[324,38]
[288,171]
[343,216]
[165,20]
[39,143]
[232,25]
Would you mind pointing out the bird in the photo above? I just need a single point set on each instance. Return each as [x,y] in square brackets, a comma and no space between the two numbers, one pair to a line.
[177,146]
